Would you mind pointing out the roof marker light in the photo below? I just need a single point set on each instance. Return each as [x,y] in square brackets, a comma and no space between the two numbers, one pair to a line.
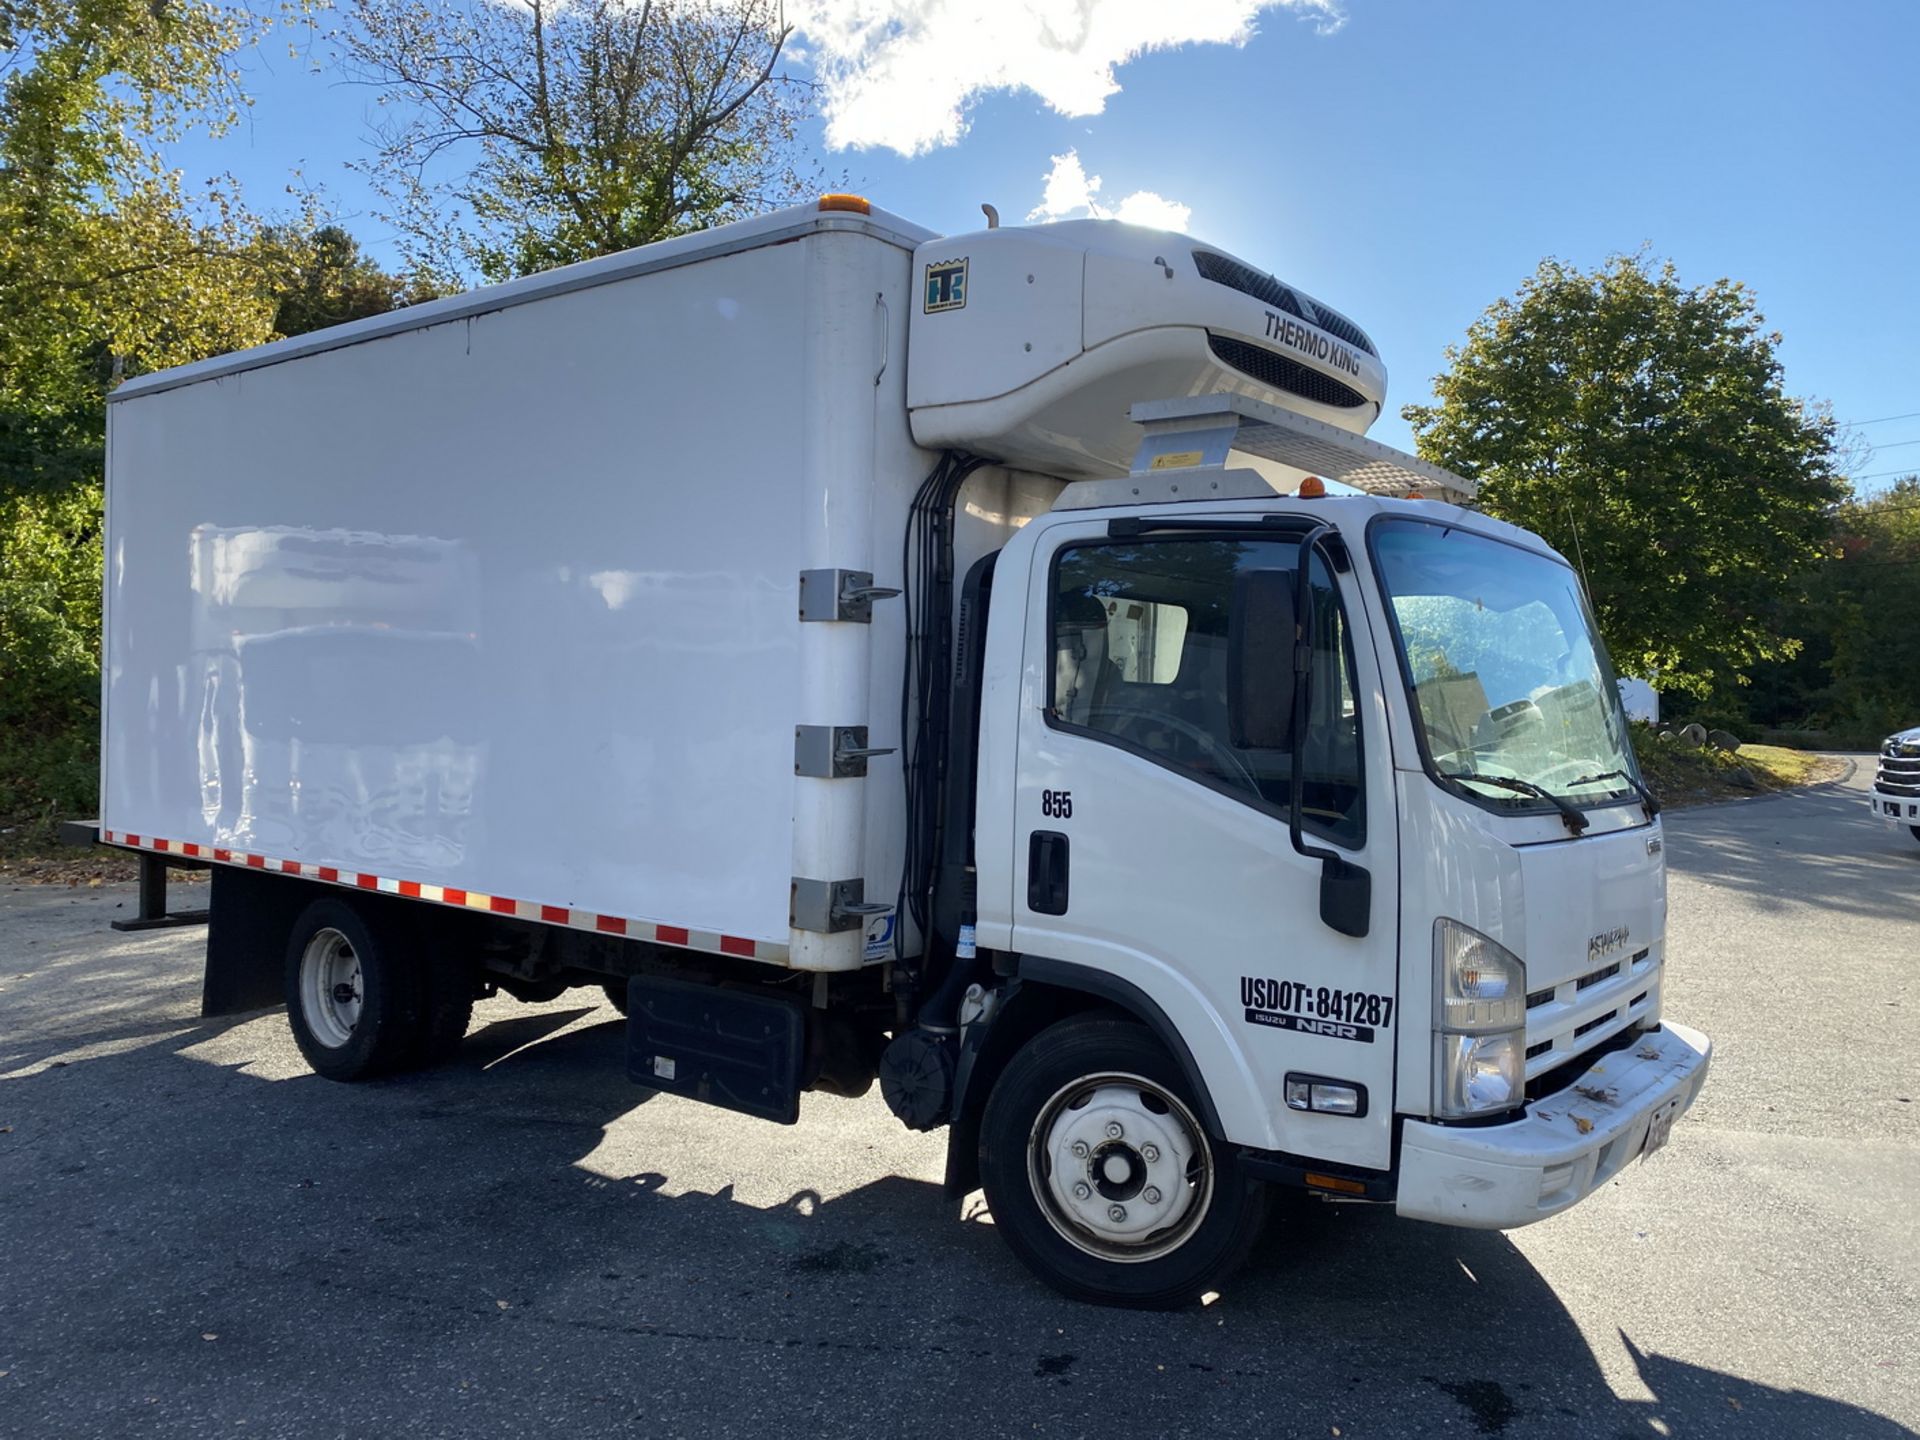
[858,204]
[1311,488]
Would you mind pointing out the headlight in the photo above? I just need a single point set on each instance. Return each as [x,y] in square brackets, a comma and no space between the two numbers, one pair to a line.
[1481,985]
[1480,1016]
[1480,1074]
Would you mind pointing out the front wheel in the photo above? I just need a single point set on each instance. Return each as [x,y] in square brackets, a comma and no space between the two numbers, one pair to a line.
[1102,1178]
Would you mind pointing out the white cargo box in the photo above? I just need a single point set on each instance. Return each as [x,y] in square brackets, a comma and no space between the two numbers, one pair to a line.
[496,601]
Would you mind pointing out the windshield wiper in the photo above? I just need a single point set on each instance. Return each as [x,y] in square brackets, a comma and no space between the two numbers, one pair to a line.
[1648,801]
[1569,812]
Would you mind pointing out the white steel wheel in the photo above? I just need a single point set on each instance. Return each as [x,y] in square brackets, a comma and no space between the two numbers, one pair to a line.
[355,999]
[1100,1174]
[1121,1168]
[332,990]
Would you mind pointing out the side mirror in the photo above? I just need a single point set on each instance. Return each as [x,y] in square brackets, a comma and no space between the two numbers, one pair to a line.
[1260,671]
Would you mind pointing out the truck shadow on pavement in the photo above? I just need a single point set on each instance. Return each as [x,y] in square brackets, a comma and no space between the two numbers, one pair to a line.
[502,1246]
[1764,848]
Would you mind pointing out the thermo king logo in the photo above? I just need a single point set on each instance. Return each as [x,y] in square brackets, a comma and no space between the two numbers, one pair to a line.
[946,285]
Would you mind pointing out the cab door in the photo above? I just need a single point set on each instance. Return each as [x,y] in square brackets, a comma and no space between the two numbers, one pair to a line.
[1151,841]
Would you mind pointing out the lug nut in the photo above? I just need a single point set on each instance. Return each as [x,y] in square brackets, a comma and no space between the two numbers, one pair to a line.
[1116,1213]
[1150,1195]
[1080,1151]
[1082,1191]
[1149,1153]
[1114,1132]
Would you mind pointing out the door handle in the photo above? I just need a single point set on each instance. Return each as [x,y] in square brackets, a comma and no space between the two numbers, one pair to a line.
[1047,872]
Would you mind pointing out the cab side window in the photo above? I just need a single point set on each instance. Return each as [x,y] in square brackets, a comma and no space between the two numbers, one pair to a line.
[1140,660]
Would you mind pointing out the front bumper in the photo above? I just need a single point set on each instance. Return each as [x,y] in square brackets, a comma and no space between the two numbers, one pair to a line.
[1894,809]
[1494,1177]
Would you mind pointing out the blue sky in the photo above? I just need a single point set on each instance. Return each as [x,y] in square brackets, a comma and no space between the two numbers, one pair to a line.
[1406,160]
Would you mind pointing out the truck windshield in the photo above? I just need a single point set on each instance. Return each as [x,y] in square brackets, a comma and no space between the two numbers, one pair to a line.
[1510,680]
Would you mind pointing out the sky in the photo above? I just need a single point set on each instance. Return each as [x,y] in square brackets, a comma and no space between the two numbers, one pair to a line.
[1407,161]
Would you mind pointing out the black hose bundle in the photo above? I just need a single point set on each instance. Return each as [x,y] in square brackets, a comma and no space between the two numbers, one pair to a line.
[926,568]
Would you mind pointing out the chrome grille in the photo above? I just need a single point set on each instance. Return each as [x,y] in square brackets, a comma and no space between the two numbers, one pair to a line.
[1583,1012]
[1899,772]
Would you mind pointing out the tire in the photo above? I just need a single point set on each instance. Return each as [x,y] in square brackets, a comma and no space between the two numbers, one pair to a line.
[352,999]
[1070,1087]
[616,994]
[448,983]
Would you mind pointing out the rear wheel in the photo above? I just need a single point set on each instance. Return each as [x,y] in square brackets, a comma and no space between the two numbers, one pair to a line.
[1101,1177]
[449,983]
[353,1006]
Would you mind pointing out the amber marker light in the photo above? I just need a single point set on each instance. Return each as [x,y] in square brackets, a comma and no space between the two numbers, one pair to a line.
[856,204]
[1338,1183]
[1311,488]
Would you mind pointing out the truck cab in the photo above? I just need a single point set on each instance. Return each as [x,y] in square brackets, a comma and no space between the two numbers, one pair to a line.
[1334,792]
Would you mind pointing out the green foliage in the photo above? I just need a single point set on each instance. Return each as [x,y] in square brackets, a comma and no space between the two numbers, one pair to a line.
[525,134]
[49,648]
[334,283]
[1866,607]
[1641,427]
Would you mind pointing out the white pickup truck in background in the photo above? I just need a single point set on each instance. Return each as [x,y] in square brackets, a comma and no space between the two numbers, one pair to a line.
[1895,796]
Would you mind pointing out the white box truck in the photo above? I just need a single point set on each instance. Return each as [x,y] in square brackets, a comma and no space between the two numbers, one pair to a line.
[879,655]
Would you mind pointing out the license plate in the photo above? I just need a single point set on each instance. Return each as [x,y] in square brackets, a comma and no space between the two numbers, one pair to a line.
[1660,1127]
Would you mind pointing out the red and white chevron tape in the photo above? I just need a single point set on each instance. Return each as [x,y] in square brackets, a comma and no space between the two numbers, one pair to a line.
[632,927]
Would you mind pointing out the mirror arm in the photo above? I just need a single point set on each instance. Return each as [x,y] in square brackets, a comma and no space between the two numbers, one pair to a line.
[1346,889]
[1304,621]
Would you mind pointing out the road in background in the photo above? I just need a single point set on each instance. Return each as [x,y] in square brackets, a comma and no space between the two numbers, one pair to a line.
[199,1237]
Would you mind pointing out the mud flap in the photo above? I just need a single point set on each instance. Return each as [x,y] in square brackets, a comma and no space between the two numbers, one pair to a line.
[739,1051]
[252,916]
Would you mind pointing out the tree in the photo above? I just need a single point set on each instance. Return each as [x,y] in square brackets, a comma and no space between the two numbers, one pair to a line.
[334,283]
[1866,601]
[1641,427]
[525,134]
[108,265]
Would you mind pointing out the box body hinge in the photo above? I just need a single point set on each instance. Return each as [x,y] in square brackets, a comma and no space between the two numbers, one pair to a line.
[828,907]
[833,752]
[840,595]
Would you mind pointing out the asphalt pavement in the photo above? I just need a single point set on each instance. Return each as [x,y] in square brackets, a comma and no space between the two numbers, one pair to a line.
[198,1237]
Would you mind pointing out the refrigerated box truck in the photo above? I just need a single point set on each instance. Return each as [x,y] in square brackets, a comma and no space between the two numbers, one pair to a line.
[879,655]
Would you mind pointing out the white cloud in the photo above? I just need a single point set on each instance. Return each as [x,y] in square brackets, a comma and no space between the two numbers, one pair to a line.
[1072,194]
[901,73]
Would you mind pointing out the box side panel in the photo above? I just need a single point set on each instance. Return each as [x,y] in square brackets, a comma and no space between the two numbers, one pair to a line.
[507,604]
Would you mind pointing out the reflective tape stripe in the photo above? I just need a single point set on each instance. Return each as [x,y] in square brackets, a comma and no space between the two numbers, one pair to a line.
[678,936]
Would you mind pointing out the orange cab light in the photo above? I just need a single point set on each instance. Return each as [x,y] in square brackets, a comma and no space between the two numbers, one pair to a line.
[1311,488]
[858,204]
[1415,495]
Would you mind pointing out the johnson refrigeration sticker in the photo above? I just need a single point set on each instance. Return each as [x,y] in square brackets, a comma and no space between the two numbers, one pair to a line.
[880,937]
[1315,1009]
[946,285]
